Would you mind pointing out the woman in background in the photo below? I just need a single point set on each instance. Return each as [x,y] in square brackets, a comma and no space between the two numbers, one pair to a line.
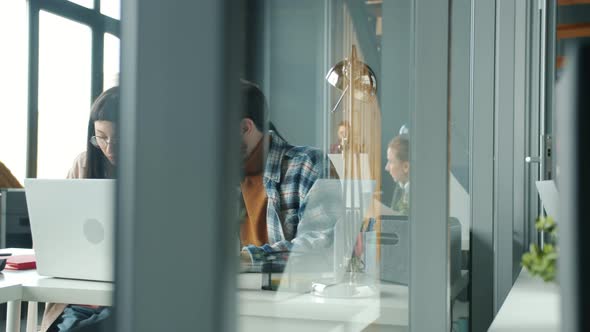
[398,166]
[99,159]
[343,129]
[97,162]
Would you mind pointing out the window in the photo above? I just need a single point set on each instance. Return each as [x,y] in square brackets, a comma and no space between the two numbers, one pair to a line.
[112,46]
[13,86]
[85,3]
[111,8]
[65,50]
[75,62]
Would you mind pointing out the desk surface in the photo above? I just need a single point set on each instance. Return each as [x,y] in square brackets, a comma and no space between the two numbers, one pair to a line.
[390,308]
[531,305]
[28,285]
[256,307]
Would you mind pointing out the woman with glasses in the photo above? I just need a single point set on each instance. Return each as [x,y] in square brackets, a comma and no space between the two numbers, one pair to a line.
[99,159]
[97,162]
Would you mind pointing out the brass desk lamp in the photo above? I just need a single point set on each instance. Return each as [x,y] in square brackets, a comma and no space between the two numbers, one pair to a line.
[353,72]
[357,81]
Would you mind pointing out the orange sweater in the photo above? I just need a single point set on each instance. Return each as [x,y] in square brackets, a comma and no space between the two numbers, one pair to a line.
[253,228]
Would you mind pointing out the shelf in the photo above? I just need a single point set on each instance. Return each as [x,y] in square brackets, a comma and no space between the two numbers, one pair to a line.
[565,31]
[572,2]
[531,305]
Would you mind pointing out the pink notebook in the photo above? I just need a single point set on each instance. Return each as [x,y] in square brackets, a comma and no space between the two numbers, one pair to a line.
[20,262]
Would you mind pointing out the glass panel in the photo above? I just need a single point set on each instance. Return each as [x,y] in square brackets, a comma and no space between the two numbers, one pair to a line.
[13,87]
[64,93]
[326,70]
[85,3]
[112,47]
[460,131]
[111,8]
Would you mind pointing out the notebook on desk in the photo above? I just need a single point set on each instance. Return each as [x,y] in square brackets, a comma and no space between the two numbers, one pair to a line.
[20,262]
[72,227]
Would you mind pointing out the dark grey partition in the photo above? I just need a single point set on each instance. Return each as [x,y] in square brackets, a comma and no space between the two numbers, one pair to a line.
[178,163]
[482,166]
[15,229]
[573,163]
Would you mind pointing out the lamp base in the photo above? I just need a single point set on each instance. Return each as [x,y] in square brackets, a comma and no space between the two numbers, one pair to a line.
[348,288]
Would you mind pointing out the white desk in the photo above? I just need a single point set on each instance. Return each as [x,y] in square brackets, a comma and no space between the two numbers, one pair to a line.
[28,285]
[258,310]
[531,305]
[261,310]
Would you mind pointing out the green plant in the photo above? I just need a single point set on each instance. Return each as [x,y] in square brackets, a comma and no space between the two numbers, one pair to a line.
[542,262]
[403,206]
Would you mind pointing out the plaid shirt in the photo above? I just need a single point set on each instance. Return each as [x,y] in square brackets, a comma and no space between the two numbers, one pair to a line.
[290,172]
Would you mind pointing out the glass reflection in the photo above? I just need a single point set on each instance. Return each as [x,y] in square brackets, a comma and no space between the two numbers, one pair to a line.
[335,249]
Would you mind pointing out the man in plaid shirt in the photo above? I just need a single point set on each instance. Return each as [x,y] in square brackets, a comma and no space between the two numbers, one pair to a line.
[275,190]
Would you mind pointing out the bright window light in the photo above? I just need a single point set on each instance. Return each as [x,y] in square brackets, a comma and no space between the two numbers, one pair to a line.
[85,3]
[112,46]
[64,93]
[13,86]
[111,8]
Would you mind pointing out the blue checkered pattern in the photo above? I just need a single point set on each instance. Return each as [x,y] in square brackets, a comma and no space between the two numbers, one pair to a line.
[290,172]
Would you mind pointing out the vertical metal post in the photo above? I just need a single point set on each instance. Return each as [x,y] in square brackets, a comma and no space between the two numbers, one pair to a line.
[549,70]
[542,90]
[545,97]
[323,126]
[483,26]
[97,71]
[13,316]
[429,250]
[504,150]
[33,93]
[532,128]
[3,217]
[520,167]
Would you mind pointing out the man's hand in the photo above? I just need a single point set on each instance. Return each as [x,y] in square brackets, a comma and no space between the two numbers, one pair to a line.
[245,261]
[245,257]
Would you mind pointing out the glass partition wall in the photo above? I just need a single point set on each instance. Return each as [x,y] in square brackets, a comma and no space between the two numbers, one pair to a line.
[337,77]
[314,151]
[323,165]
[319,66]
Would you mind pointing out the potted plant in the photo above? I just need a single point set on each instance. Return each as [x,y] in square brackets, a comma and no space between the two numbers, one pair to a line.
[542,261]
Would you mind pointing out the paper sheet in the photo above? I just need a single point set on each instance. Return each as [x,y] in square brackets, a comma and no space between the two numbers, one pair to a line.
[549,197]
[338,162]
[384,210]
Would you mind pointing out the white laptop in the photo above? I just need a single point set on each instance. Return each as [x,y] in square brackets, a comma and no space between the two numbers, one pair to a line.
[72,227]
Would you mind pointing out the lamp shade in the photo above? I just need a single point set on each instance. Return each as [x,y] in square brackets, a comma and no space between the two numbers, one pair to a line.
[356,73]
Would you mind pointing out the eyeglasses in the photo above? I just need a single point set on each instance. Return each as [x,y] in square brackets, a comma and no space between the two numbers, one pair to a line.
[102,142]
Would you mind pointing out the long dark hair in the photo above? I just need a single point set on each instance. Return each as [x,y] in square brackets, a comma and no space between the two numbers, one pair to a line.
[104,108]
